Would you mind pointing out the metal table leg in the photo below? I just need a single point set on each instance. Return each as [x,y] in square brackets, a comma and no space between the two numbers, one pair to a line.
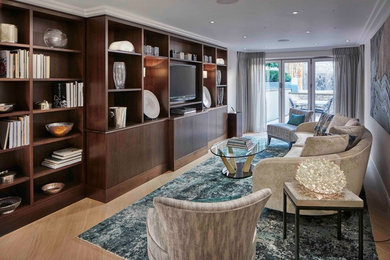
[284,215]
[339,224]
[296,232]
[361,234]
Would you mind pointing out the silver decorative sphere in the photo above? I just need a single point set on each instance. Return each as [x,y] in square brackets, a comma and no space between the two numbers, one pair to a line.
[55,38]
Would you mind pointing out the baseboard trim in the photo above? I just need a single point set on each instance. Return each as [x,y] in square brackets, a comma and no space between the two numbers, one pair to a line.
[382,189]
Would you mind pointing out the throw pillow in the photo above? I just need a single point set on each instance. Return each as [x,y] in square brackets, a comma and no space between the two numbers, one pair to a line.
[338,120]
[357,131]
[322,145]
[307,113]
[322,124]
[353,122]
[296,119]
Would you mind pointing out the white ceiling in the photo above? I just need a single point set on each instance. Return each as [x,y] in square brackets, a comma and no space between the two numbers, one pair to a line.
[264,22]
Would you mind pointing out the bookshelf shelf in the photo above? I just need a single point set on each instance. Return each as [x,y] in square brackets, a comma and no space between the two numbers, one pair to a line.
[17,181]
[14,45]
[155,57]
[58,79]
[125,90]
[14,149]
[15,113]
[221,86]
[41,171]
[50,49]
[53,110]
[184,60]
[124,52]
[12,79]
[49,140]
[185,104]
[40,197]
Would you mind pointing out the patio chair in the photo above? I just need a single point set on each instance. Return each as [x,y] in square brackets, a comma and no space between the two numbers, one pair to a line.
[325,108]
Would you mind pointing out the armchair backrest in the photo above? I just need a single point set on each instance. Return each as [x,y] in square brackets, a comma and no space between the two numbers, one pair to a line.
[223,230]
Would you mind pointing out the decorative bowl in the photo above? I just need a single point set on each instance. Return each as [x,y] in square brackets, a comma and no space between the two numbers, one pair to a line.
[9,204]
[7,176]
[59,129]
[55,38]
[53,188]
[5,107]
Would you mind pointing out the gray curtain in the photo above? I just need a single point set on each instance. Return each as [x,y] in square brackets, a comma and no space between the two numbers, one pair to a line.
[349,81]
[251,95]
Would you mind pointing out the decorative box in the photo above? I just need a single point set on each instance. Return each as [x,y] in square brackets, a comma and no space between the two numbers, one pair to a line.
[8,33]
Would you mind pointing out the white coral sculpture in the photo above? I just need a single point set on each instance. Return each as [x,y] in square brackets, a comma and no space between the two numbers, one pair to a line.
[321,176]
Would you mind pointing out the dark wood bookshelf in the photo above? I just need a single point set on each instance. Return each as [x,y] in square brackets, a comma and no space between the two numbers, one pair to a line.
[184,104]
[184,60]
[41,171]
[67,65]
[124,90]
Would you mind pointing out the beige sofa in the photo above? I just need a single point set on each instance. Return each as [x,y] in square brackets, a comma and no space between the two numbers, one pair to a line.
[273,172]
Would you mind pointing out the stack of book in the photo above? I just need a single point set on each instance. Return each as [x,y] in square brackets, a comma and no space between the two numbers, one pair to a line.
[14,132]
[68,94]
[14,64]
[41,66]
[241,143]
[63,157]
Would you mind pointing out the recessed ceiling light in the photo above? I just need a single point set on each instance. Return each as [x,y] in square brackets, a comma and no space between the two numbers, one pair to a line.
[244,37]
[295,12]
[308,32]
[346,40]
[212,21]
[283,40]
[226,1]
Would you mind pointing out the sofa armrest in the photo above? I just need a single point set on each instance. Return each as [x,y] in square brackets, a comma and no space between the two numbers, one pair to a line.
[306,127]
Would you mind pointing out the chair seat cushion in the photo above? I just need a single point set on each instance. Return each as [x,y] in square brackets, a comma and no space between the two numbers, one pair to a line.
[282,131]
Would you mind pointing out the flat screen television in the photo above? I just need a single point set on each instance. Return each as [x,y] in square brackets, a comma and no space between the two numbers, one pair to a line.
[182,82]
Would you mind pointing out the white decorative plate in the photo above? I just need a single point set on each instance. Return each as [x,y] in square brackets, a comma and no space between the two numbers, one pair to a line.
[151,105]
[206,97]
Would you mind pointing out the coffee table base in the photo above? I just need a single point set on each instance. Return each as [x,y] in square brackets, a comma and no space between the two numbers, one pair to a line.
[239,173]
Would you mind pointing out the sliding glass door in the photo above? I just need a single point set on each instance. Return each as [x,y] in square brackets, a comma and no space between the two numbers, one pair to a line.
[295,86]
[323,82]
[306,84]
[272,87]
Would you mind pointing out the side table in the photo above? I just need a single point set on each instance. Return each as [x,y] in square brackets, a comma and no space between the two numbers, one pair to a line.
[346,201]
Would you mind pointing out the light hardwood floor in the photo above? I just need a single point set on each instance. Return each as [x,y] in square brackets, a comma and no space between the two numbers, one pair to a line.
[55,236]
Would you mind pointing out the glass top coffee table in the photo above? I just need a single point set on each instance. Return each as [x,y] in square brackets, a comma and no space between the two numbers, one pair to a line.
[238,162]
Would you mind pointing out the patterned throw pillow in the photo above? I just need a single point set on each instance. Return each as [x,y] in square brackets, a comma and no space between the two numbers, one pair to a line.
[322,124]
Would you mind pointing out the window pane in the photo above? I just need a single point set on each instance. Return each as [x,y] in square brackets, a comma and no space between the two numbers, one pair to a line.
[272,91]
[324,87]
[296,82]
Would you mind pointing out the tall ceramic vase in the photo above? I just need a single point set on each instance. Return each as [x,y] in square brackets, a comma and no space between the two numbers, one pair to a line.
[119,74]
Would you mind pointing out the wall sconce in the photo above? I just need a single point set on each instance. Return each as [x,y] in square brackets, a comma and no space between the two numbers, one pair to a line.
[144,72]
[205,74]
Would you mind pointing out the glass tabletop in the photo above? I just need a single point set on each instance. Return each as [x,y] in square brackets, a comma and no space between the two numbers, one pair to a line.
[229,149]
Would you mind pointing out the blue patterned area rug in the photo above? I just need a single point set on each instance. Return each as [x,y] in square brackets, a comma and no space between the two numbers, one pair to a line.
[124,234]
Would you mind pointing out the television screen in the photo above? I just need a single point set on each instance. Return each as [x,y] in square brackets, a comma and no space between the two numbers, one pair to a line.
[183,82]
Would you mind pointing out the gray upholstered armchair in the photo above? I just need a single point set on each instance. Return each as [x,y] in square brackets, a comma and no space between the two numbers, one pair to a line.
[284,131]
[178,229]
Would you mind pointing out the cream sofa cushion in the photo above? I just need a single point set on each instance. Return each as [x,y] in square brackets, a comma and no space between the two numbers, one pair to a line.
[322,145]
[353,122]
[339,120]
[356,131]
